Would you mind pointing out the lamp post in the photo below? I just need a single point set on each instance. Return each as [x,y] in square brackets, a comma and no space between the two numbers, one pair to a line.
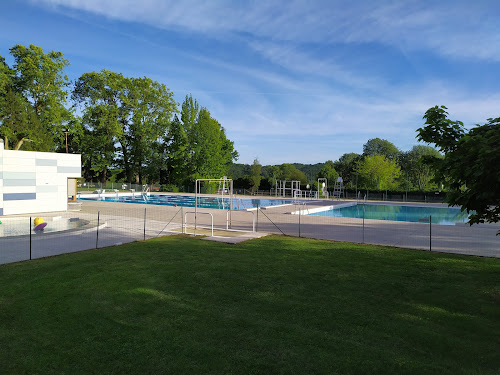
[65,131]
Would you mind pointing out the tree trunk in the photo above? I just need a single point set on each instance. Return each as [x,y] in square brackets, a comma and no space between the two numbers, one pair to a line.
[20,143]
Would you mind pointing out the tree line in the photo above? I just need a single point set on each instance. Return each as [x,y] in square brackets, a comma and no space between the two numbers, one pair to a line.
[466,164]
[126,128]
[381,166]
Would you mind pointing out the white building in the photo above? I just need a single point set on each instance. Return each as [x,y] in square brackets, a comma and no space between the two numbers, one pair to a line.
[32,181]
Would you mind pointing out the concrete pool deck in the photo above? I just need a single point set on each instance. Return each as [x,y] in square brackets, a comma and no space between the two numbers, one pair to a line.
[128,222]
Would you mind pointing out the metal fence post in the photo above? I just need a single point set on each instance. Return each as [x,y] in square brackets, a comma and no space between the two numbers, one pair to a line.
[430,232]
[144,223]
[299,220]
[257,224]
[30,237]
[363,223]
[97,231]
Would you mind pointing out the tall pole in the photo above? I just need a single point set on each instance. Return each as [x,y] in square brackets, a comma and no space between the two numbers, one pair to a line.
[356,185]
[30,237]
[406,198]
[66,134]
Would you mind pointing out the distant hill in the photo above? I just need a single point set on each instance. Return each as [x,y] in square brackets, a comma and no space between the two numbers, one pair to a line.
[310,170]
[238,170]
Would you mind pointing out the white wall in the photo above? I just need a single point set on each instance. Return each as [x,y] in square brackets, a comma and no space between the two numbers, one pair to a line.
[32,182]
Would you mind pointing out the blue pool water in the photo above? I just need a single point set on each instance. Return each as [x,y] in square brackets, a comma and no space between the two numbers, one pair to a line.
[413,214]
[188,201]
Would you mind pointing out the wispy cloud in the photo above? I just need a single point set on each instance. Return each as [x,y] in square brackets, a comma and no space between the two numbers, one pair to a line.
[295,60]
[298,74]
[460,29]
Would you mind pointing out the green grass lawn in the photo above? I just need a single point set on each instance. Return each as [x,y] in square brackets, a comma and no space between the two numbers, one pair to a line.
[276,305]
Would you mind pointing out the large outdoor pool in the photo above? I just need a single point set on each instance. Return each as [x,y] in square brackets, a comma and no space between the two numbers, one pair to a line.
[188,201]
[413,214]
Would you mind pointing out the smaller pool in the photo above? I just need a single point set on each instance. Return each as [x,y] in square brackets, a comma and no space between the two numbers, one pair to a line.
[412,214]
[189,201]
[11,227]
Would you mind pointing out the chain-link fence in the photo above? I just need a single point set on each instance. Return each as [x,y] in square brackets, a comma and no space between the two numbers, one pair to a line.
[100,224]
[348,192]
[85,187]
[424,233]
[97,225]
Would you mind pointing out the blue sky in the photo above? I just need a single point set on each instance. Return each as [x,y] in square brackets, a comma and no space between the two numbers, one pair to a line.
[290,81]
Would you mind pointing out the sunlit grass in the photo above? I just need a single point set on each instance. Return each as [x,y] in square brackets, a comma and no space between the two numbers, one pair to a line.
[273,305]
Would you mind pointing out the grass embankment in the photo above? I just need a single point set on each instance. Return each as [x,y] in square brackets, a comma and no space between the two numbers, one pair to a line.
[274,305]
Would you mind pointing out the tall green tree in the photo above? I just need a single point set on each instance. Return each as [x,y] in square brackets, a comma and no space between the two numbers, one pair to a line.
[237,170]
[289,172]
[6,75]
[190,110]
[470,168]
[104,117]
[150,106]
[378,146]
[346,166]
[132,114]
[40,78]
[271,173]
[19,124]
[255,175]
[212,151]
[378,173]
[177,152]
[328,171]
[197,145]
[419,174]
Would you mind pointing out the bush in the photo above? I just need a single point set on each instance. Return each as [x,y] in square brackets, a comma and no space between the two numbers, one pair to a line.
[169,188]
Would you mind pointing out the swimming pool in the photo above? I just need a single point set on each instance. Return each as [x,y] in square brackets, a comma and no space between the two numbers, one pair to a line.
[188,201]
[412,214]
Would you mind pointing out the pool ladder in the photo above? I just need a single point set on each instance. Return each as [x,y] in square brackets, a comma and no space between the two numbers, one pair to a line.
[145,193]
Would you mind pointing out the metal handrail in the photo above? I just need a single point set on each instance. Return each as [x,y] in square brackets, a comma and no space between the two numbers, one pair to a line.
[195,213]
[253,220]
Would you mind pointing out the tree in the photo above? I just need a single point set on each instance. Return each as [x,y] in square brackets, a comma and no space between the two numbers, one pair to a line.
[378,173]
[420,174]
[470,168]
[32,99]
[131,113]
[310,170]
[328,171]
[271,173]
[211,151]
[39,78]
[196,146]
[237,170]
[104,117]
[346,166]
[255,175]
[377,146]
[177,152]
[19,124]
[6,75]
[290,173]
[243,182]
[149,107]
[179,142]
